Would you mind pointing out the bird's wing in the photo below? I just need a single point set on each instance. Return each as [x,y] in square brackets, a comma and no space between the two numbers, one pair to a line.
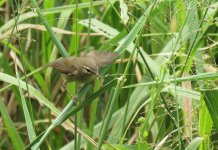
[102,58]
[63,65]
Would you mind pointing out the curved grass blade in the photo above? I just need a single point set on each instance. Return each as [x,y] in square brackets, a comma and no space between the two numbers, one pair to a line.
[210,99]
[89,99]
[194,144]
[28,120]
[204,126]
[54,10]
[56,41]
[9,79]
[12,131]
[201,76]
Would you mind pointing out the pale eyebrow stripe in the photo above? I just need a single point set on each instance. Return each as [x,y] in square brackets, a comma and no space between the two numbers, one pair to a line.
[88,69]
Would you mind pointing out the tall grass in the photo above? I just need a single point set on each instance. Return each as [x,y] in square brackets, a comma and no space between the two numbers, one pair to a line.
[160,94]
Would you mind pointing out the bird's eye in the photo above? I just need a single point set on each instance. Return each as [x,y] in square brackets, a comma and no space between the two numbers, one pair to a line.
[88,70]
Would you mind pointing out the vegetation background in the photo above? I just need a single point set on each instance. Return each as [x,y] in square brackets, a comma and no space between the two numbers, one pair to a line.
[160,94]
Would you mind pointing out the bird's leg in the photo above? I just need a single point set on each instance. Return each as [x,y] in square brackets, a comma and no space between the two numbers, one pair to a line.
[64,84]
[74,98]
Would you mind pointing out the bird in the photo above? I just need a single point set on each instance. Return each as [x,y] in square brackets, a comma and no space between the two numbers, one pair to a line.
[84,68]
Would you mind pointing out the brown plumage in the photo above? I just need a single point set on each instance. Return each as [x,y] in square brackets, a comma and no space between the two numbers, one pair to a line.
[84,68]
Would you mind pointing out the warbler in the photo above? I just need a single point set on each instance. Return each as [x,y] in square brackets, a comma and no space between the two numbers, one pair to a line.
[84,68]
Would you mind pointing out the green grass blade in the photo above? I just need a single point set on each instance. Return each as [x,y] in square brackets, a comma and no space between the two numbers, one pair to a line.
[110,111]
[204,126]
[55,123]
[29,123]
[56,41]
[12,131]
[70,109]
[134,32]
[201,76]
[54,10]
[194,144]
[32,91]
[90,99]
[210,99]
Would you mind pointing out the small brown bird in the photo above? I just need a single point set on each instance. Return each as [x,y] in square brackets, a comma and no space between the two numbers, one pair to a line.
[84,68]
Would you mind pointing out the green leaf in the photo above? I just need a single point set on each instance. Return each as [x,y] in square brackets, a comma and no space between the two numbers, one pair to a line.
[210,98]
[134,32]
[204,126]
[141,145]
[32,91]
[12,131]
[53,10]
[124,11]
[29,123]
[194,144]
[55,39]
